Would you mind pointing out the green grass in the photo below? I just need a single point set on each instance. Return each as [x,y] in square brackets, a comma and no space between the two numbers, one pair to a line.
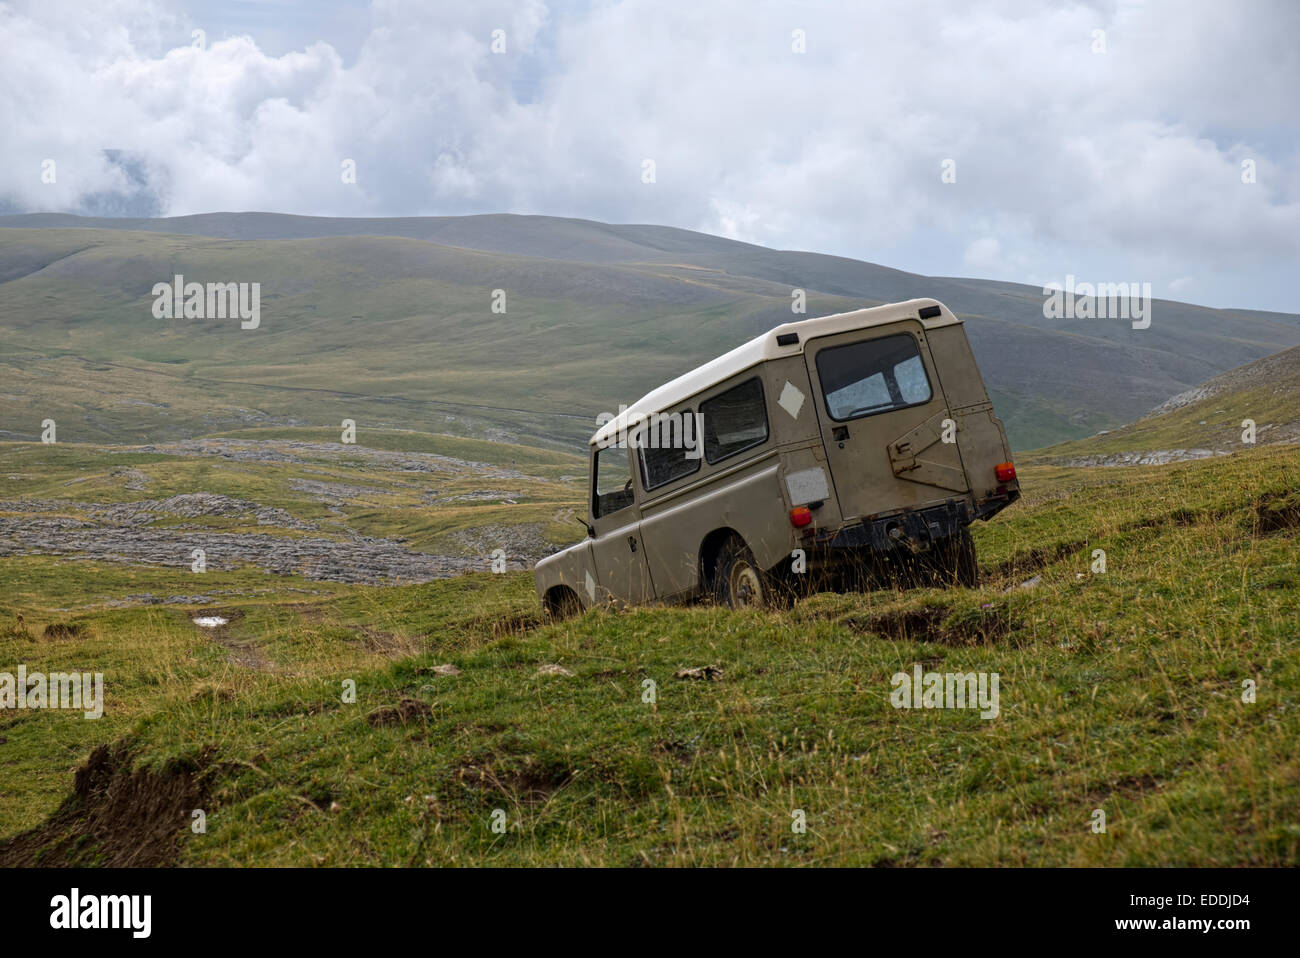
[1120,691]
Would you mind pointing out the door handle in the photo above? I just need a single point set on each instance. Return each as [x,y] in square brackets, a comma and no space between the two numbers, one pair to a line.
[631,541]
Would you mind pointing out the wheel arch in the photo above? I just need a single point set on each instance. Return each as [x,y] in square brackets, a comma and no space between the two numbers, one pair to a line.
[561,601]
[710,549]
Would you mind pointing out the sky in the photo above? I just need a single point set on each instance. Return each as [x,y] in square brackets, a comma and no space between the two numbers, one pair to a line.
[1114,141]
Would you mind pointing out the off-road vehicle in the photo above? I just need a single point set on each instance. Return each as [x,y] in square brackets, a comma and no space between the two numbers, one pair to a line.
[821,452]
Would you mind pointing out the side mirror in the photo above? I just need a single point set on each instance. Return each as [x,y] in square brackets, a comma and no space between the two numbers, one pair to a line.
[591,530]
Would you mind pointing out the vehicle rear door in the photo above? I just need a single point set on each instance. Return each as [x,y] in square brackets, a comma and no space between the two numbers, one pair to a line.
[881,409]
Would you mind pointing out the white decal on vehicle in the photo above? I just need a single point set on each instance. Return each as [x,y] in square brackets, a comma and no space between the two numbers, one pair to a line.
[791,399]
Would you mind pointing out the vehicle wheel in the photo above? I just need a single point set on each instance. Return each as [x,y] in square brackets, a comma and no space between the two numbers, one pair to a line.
[955,560]
[563,603]
[737,580]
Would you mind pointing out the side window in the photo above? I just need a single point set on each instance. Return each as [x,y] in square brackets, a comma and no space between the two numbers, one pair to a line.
[612,482]
[668,448]
[734,421]
[873,376]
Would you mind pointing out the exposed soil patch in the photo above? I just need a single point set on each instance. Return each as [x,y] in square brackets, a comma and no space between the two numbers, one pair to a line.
[1277,512]
[528,780]
[116,816]
[917,625]
[318,794]
[405,712]
[940,625]
[701,673]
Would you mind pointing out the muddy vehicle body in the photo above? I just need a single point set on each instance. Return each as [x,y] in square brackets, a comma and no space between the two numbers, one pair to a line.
[822,449]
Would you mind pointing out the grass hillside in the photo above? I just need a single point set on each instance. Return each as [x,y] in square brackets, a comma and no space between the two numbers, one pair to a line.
[1203,421]
[1121,691]
[389,322]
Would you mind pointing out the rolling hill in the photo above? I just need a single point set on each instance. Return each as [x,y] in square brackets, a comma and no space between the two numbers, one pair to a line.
[1209,420]
[389,322]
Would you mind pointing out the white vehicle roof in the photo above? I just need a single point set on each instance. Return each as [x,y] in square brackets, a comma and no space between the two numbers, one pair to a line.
[760,349]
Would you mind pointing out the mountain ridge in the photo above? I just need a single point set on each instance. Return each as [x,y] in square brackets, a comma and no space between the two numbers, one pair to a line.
[599,314]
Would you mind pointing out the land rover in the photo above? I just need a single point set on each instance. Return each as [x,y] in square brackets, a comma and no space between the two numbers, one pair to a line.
[819,453]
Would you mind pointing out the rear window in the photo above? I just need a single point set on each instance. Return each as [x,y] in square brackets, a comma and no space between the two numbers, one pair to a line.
[613,481]
[734,421]
[873,376]
[668,449]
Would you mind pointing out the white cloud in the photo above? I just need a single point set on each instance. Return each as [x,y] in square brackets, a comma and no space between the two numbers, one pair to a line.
[1124,164]
[984,254]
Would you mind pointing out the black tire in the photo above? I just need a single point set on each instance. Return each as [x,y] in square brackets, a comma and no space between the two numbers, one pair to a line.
[738,581]
[954,560]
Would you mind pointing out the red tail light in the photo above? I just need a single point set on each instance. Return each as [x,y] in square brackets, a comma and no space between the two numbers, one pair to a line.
[800,516]
[1005,471]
